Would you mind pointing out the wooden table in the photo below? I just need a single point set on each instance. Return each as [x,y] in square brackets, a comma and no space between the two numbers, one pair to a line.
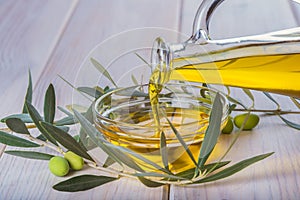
[53,37]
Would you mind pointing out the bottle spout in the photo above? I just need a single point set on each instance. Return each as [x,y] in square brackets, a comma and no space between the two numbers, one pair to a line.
[161,55]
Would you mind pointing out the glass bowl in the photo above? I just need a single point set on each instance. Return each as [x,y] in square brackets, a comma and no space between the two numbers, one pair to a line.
[124,116]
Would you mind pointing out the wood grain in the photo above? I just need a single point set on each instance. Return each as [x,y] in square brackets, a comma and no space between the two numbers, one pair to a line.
[29,32]
[28,36]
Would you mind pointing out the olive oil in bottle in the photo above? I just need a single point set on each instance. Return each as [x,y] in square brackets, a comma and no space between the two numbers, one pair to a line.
[279,73]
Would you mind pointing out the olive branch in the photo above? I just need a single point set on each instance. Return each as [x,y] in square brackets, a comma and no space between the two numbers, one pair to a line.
[54,134]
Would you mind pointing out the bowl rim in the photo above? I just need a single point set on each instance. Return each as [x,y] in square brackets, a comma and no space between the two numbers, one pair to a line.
[97,115]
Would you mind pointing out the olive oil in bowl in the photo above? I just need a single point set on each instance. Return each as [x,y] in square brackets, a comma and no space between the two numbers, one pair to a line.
[125,117]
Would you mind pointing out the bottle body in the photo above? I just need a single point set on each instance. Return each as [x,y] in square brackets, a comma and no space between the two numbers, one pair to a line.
[269,62]
[266,66]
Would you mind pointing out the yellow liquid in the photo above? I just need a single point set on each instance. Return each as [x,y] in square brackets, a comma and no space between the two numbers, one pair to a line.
[272,73]
[156,82]
[191,123]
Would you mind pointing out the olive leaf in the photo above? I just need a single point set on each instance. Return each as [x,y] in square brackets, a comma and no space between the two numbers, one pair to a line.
[108,162]
[76,137]
[69,120]
[72,86]
[49,104]
[82,183]
[235,101]
[294,100]
[115,154]
[89,113]
[95,135]
[212,132]
[90,91]
[135,82]
[25,117]
[150,183]
[84,139]
[248,93]
[289,123]
[190,173]
[272,99]
[65,111]
[124,158]
[65,139]
[36,118]
[214,166]
[99,89]
[164,150]
[132,91]
[234,168]
[30,155]
[231,108]
[103,71]
[180,139]
[140,57]
[64,128]
[12,140]
[28,97]
[79,108]
[41,137]
[139,157]
[17,126]
[90,130]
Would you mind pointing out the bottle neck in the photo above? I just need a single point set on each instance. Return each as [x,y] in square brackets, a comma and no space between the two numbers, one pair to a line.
[162,53]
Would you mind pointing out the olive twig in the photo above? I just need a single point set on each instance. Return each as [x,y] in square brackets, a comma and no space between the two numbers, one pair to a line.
[108,170]
[45,144]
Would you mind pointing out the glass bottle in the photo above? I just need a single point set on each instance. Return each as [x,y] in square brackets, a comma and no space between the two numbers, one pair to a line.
[267,62]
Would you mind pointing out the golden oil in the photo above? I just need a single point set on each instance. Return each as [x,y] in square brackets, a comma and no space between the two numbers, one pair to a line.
[279,73]
[190,123]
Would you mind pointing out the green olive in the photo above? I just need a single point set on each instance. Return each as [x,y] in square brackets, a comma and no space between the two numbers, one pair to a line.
[228,127]
[251,123]
[58,166]
[76,162]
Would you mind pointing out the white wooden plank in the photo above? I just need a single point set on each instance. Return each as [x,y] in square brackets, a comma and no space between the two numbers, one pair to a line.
[91,23]
[96,22]
[32,180]
[27,36]
[295,7]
